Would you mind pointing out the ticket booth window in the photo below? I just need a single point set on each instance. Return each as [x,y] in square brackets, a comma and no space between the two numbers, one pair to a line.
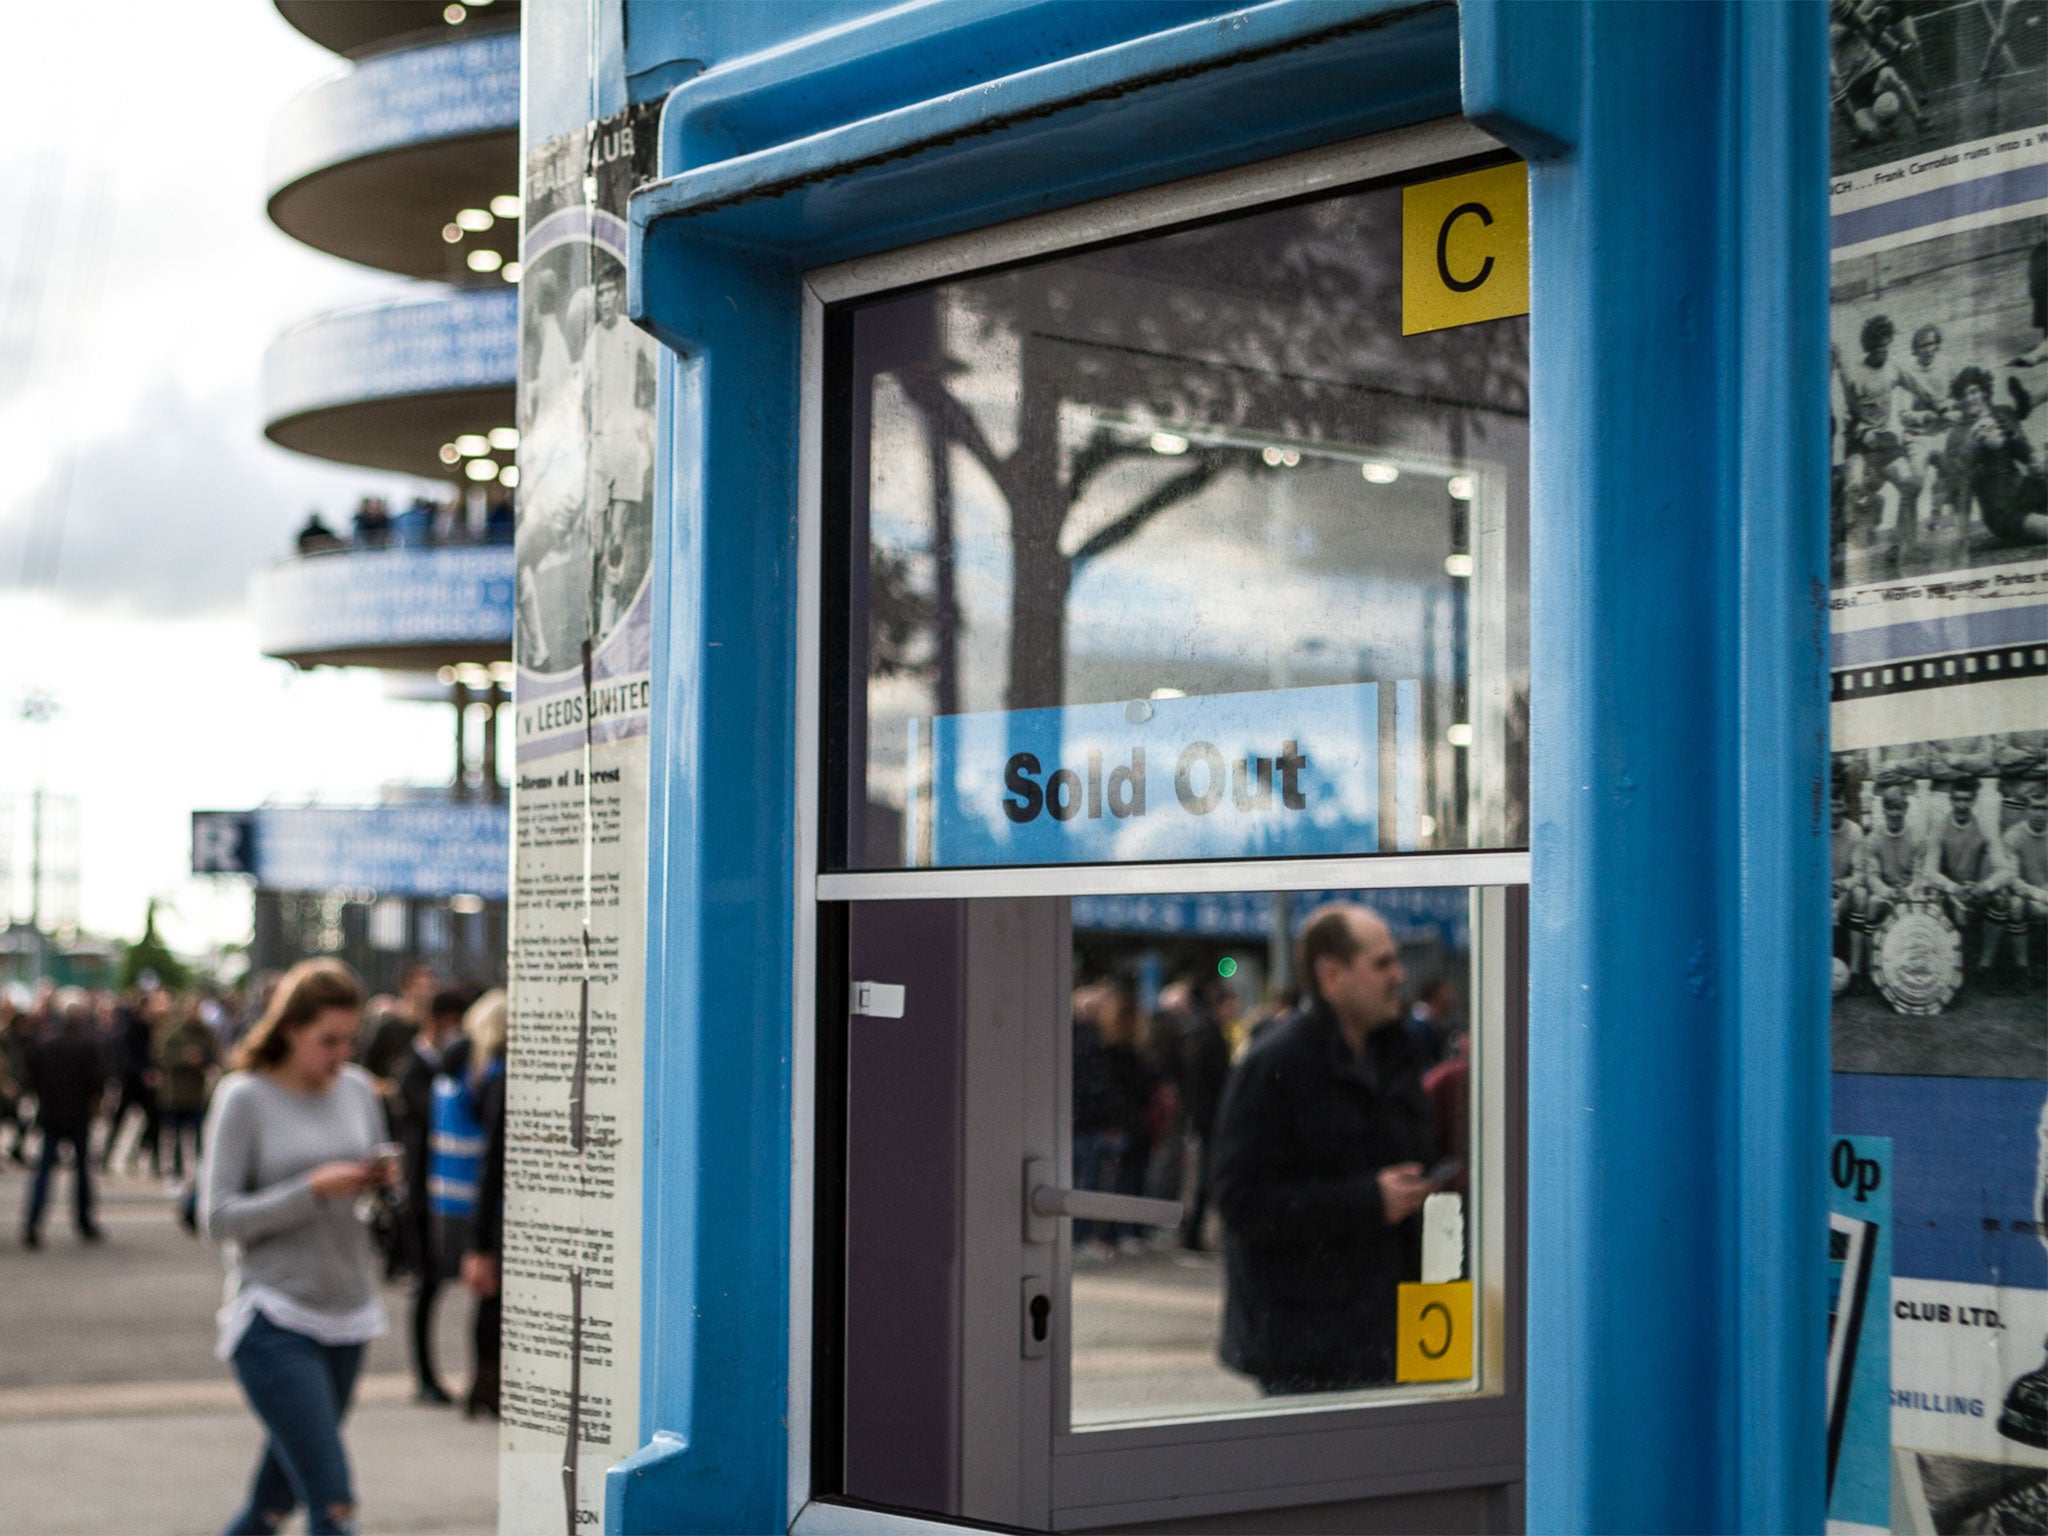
[1172,597]
[1096,498]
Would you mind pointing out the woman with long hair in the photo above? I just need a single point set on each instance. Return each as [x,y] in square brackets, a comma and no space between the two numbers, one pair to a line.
[294,1139]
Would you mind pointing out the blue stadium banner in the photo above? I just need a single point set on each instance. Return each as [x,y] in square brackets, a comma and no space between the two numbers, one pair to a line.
[455,595]
[428,850]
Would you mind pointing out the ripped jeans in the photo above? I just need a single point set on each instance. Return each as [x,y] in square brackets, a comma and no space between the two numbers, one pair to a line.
[300,1389]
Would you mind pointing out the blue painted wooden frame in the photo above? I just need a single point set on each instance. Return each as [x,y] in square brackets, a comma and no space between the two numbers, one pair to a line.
[1678,1000]
[1678,1044]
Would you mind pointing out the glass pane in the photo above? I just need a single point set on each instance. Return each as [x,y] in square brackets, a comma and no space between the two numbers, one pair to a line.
[1320,1148]
[1177,548]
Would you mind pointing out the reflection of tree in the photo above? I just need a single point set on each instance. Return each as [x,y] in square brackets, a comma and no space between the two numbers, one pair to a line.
[1284,326]
[897,614]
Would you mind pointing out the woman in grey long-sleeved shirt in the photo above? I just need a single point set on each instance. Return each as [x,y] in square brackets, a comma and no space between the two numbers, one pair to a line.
[291,1140]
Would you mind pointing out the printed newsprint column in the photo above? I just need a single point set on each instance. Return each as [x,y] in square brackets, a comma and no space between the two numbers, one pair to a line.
[585,504]
[1939,633]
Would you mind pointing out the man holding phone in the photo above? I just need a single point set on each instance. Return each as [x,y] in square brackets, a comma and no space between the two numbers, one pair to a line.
[1322,1146]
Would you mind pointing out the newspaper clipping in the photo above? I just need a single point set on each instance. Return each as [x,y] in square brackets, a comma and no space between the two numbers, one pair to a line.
[1939,638]
[582,636]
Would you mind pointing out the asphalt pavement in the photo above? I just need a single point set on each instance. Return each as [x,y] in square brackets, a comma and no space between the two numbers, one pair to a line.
[115,1417]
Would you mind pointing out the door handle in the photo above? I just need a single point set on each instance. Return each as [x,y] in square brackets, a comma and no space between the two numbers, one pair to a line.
[1046,1202]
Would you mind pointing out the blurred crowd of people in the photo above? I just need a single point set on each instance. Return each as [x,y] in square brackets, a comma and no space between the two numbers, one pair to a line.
[1147,1089]
[422,524]
[81,1069]
[107,1080]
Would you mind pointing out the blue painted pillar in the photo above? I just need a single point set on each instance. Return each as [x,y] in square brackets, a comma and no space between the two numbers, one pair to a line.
[1678,943]
[722,857]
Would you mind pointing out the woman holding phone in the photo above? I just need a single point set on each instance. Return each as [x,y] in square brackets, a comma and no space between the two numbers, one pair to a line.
[294,1140]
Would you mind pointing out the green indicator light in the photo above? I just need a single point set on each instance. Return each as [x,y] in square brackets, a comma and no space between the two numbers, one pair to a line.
[1226,967]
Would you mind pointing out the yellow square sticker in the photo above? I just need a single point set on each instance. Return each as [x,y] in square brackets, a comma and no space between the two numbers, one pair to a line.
[1433,1332]
[1465,249]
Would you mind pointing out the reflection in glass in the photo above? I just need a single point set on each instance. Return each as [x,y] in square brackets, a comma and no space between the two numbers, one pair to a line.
[1198,464]
[1320,1145]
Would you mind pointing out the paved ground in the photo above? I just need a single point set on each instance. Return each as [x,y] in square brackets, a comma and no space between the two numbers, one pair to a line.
[1145,1333]
[115,1417]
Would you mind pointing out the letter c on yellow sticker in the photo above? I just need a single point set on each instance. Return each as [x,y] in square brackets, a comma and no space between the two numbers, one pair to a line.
[1465,249]
[1433,1332]
[1436,1313]
[1484,215]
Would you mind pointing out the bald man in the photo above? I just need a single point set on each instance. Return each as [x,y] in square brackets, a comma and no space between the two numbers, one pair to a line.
[1318,1167]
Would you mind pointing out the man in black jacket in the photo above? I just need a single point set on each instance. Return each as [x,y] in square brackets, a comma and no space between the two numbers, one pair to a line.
[68,1074]
[1318,1168]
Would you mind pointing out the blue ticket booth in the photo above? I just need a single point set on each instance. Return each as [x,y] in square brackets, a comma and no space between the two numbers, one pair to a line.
[1132,479]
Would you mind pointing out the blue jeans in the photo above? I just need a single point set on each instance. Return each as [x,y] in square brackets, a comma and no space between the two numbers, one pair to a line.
[1095,1164]
[81,1173]
[176,1122]
[300,1389]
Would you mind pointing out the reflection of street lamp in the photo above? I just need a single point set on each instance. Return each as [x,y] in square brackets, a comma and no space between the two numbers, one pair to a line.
[37,708]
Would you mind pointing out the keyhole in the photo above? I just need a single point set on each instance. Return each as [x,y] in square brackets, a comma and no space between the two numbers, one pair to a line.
[1041,1318]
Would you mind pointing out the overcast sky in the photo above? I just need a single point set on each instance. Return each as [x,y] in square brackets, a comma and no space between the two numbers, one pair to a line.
[139,285]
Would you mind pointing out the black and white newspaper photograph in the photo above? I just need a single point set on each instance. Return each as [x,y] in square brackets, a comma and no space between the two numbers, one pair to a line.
[1940,886]
[1910,80]
[1939,395]
[586,377]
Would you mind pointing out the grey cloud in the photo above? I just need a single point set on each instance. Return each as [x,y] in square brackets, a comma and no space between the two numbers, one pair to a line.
[174,512]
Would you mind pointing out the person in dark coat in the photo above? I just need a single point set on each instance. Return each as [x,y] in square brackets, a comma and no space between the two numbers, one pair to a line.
[68,1073]
[1110,1093]
[132,1044]
[17,1030]
[1202,1065]
[412,1117]
[1319,1162]
[186,1060]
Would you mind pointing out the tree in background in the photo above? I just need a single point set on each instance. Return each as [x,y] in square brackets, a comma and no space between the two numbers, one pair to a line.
[150,955]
